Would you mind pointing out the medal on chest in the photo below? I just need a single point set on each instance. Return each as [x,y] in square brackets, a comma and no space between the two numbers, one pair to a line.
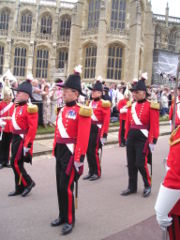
[71,114]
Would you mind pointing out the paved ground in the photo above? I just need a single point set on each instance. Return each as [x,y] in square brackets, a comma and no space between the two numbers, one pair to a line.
[102,213]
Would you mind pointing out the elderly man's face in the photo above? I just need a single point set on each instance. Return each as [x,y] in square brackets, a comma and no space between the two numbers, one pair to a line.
[70,95]
[96,94]
[21,97]
[139,95]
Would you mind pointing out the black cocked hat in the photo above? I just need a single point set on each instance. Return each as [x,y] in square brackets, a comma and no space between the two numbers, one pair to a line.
[25,87]
[97,87]
[140,86]
[74,82]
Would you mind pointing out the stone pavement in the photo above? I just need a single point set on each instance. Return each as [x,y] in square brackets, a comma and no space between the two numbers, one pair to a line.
[102,212]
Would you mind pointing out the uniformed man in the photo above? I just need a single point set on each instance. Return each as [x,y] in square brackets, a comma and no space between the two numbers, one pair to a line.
[167,205]
[177,113]
[99,129]
[142,131]
[70,145]
[6,111]
[122,108]
[24,127]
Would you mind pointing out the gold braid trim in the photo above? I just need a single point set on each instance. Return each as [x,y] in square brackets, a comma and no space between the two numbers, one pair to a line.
[171,142]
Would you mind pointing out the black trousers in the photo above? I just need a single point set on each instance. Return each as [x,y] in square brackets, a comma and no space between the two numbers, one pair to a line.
[93,151]
[4,147]
[122,134]
[65,183]
[137,158]
[22,179]
[40,112]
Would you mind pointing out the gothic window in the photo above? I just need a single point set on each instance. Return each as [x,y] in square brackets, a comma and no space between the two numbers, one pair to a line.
[26,22]
[1,59]
[94,12]
[172,39]
[46,24]
[90,61]
[42,58]
[114,66]
[118,14]
[4,19]
[62,58]
[65,27]
[20,61]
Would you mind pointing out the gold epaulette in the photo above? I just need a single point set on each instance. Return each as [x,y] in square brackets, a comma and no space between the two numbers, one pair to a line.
[85,111]
[171,140]
[155,105]
[106,103]
[32,108]
[129,104]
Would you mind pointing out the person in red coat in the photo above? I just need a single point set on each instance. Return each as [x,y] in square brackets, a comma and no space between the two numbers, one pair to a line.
[6,111]
[167,205]
[70,145]
[122,108]
[142,131]
[177,113]
[99,129]
[24,127]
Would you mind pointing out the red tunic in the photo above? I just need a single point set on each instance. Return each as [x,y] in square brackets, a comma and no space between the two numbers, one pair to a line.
[122,104]
[148,116]
[101,115]
[72,126]
[26,123]
[6,110]
[177,115]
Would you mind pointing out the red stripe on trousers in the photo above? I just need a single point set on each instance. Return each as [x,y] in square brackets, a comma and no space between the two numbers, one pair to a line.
[146,168]
[17,158]
[174,229]
[70,197]
[97,154]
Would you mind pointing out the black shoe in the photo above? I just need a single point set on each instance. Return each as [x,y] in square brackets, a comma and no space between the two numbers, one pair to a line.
[28,189]
[87,176]
[147,192]
[7,165]
[15,193]
[122,145]
[94,177]
[67,228]
[1,166]
[128,192]
[57,222]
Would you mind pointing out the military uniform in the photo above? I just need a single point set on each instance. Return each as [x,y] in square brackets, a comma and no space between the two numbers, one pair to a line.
[142,129]
[24,127]
[168,202]
[122,108]
[70,145]
[177,113]
[6,111]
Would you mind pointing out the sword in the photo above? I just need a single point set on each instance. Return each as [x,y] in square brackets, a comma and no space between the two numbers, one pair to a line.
[165,234]
[76,195]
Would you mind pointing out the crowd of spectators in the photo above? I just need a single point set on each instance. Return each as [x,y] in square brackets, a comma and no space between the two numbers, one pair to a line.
[48,96]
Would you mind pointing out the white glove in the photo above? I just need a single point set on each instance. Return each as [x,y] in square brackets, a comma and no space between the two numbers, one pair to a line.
[25,150]
[152,146]
[163,221]
[2,123]
[166,200]
[103,141]
[77,165]
[170,124]
[123,110]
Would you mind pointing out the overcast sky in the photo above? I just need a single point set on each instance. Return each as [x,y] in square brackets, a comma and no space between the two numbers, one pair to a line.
[159,6]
